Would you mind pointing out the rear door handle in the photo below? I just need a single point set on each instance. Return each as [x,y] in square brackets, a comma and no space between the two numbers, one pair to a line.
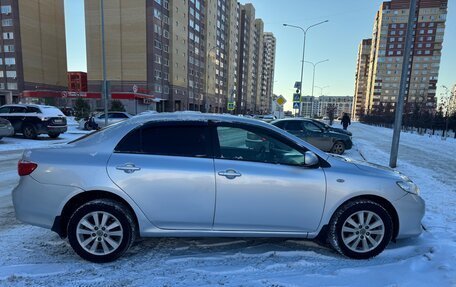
[128,168]
[229,173]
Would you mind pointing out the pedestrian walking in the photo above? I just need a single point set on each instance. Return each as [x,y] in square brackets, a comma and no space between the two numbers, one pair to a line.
[345,121]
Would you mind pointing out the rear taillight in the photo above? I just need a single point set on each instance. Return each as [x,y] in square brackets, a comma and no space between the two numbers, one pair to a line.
[25,167]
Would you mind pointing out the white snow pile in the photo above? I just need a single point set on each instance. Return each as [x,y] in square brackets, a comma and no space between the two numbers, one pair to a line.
[31,256]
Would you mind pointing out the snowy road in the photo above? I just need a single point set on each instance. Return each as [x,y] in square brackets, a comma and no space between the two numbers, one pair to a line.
[31,256]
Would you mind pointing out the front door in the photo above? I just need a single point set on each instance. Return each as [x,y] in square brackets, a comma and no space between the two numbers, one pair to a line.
[317,137]
[168,170]
[262,185]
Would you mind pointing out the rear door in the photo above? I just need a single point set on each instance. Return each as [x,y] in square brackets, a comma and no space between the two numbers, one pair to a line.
[17,115]
[168,170]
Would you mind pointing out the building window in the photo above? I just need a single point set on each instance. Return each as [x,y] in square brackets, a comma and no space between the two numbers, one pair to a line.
[10,61]
[11,86]
[9,48]
[11,74]
[8,35]
[7,22]
[157,14]
[1,74]
[6,9]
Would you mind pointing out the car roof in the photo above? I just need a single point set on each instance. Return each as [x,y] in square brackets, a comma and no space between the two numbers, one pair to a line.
[293,119]
[28,105]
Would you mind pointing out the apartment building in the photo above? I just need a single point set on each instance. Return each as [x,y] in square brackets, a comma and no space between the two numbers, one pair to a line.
[32,48]
[183,55]
[267,76]
[319,106]
[386,56]
[360,100]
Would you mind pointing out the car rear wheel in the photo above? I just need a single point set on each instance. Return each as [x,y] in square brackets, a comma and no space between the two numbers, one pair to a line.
[360,229]
[338,147]
[53,135]
[29,132]
[101,230]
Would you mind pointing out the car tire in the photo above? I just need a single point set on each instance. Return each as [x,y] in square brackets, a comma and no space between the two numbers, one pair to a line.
[99,239]
[29,132]
[371,235]
[87,126]
[53,135]
[338,147]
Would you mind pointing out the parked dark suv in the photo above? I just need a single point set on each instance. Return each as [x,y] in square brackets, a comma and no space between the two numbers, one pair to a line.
[33,120]
[319,137]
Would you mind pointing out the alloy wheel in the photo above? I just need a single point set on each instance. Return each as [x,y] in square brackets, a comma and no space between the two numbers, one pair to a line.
[99,233]
[363,231]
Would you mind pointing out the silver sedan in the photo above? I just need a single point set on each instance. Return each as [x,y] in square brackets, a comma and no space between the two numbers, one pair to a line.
[6,129]
[193,174]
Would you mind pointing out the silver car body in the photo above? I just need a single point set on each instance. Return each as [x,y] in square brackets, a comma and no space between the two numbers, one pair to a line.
[180,196]
[6,129]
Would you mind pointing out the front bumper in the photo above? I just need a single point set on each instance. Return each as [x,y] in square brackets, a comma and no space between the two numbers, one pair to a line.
[6,131]
[37,203]
[410,210]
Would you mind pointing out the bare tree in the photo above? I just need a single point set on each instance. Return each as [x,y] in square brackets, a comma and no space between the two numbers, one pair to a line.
[448,105]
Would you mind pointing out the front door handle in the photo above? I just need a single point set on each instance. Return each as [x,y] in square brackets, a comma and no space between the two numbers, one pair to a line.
[229,173]
[128,168]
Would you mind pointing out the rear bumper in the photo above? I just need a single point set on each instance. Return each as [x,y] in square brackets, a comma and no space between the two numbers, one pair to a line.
[410,210]
[39,204]
[46,129]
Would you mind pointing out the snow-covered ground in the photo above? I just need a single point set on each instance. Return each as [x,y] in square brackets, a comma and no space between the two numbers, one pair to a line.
[18,142]
[31,256]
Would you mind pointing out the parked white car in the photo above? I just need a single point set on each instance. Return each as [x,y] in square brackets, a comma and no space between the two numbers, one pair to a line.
[99,120]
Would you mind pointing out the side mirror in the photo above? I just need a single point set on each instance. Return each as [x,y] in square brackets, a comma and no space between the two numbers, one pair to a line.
[310,159]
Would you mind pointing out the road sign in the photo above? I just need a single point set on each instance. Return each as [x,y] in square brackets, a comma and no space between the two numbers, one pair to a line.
[296,105]
[281,100]
[297,85]
[230,106]
[296,98]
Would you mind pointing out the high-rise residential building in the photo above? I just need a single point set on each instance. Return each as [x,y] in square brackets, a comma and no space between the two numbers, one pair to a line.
[319,106]
[183,55]
[33,49]
[257,66]
[388,41]
[360,100]
[267,76]
[245,67]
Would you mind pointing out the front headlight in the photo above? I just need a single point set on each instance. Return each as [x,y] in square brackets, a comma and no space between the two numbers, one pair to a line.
[408,186]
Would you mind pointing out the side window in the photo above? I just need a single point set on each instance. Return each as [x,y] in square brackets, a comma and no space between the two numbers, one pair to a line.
[294,126]
[33,110]
[280,125]
[311,127]
[17,110]
[172,140]
[4,110]
[251,145]
[121,116]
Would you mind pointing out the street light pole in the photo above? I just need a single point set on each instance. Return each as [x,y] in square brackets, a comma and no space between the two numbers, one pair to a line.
[103,59]
[304,31]
[321,89]
[402,86]
[313,77]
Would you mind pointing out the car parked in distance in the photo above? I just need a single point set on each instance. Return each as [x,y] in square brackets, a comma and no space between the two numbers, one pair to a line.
[6,129]
[324,139]
[98,120]
[32,120]
[330,128]
[192,175]
[265,118]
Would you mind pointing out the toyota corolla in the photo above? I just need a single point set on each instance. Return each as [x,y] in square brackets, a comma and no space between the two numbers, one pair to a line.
[192,174]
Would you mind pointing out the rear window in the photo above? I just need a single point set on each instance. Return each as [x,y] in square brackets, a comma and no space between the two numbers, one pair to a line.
[170,140]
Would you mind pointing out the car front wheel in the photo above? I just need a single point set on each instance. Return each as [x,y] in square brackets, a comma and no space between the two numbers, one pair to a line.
[360,229]
[101,230]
